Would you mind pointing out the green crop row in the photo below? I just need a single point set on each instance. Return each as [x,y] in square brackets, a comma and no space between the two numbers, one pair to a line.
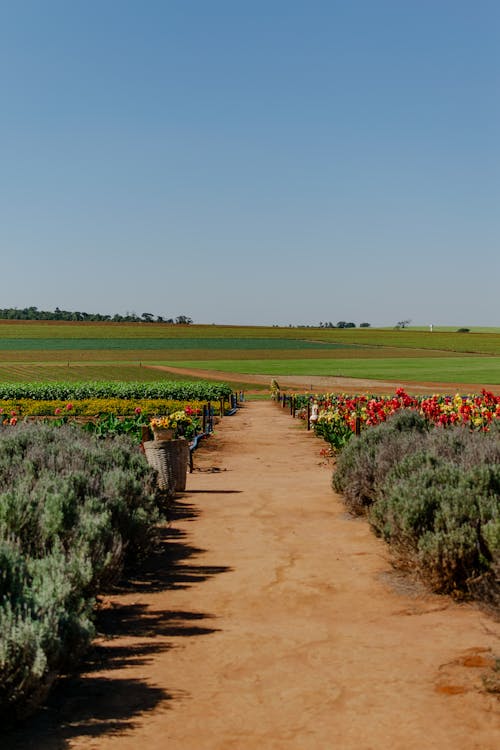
[133,344]
[487,342]
[178,390]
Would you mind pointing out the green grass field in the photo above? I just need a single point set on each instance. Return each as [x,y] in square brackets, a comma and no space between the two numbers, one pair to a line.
[112,351]
[460,370]
[482,341]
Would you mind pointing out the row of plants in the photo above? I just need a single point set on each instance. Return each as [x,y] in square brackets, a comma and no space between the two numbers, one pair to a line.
[184,423]
[339,416]
[74,510]
[426,473]
[113,416]
[433,493]
[165,389]
[90,407]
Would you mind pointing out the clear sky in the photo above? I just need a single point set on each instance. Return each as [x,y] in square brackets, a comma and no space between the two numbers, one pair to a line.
[263,162]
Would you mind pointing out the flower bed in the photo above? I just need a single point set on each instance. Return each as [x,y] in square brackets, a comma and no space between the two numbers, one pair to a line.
[340,416]
[91,407]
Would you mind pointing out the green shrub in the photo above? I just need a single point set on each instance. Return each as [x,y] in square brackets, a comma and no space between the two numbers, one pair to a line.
[365,461]
[73,509]
[43,622]
[433,495]
[442,520]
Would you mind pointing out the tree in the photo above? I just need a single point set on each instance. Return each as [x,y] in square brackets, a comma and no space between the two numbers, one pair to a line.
[403,323]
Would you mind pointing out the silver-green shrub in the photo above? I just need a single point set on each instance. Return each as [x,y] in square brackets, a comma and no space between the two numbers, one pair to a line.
[73,509]
[434,495]
[364,462]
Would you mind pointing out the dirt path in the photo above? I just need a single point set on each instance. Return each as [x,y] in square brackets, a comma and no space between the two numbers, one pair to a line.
[273,621]
[332,384]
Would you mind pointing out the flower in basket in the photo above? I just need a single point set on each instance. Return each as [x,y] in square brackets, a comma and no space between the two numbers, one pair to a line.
[182,424]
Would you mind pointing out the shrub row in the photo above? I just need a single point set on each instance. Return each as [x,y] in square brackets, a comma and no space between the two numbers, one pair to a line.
[433,493]
[28,407]
[73,510]
[166,389]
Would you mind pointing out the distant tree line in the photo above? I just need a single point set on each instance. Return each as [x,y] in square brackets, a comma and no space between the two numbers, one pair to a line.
[342,324]
[33,313]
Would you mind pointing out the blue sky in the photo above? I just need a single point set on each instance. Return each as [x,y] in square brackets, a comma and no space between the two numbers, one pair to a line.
[252,162]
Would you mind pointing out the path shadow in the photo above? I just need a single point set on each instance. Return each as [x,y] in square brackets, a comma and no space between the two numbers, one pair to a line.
[94,703]
[89,706]
[215,492]
[172,565]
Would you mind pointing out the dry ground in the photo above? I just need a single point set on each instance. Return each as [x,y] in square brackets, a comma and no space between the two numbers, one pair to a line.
[269,619]
[322,384]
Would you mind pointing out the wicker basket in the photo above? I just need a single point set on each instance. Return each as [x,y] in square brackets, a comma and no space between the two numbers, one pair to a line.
[170,458]
[163,433]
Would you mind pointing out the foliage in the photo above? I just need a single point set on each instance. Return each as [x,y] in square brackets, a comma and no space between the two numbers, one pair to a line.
[340,414]
[179,390]
[442,520]
[363,464]
[73,510]
[434,495]
[33,313]
[91,407]
[44,625]
[183,423]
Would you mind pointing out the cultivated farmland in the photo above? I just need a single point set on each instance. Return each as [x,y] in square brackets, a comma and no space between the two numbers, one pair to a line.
[81,351]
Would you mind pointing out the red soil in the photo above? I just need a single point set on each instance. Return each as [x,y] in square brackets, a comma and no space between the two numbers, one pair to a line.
[269,619]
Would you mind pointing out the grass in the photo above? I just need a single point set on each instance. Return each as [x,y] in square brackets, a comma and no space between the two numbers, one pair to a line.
[486,341]
[447,369]
[121,351]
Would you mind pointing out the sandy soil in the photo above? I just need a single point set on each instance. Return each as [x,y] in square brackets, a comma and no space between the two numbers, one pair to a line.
[269,619]
[317,383]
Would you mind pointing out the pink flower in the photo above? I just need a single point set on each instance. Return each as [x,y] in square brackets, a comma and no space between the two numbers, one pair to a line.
[13,420]
[138,410]
[69,407]
[13,414]
[57,411]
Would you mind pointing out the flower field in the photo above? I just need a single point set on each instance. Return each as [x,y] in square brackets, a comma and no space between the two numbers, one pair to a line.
[339,416]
